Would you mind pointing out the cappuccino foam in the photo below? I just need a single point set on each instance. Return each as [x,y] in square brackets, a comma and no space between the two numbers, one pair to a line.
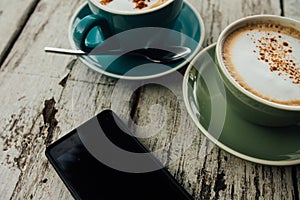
[265,60]
[132,5]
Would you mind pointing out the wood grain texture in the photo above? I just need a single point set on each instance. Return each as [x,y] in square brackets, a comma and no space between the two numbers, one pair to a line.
[13,15]
[44,96]
[28,78]
[291,8]
[37,109]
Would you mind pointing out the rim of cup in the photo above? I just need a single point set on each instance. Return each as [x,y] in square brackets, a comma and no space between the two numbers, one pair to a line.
[138,12]
[228,30]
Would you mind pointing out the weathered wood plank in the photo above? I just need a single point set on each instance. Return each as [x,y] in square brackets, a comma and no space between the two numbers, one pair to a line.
[218,14]
[23,130]
[40,180]
[13,15]
[291,8]
[30,78]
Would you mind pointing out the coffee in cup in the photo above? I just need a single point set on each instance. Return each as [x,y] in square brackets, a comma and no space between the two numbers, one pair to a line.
[132,5]
[259,60]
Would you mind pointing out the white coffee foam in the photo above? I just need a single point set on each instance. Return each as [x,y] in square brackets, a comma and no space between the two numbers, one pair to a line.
[250,62]
[129,5]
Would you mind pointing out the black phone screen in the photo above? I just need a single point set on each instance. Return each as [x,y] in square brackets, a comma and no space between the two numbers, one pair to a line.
[88,178]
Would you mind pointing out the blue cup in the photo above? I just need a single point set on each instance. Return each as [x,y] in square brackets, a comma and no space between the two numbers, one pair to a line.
[112,21]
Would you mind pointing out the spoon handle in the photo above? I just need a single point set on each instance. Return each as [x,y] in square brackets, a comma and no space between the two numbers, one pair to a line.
[64,51]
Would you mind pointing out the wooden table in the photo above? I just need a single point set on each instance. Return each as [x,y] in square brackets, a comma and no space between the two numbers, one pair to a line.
[38,90]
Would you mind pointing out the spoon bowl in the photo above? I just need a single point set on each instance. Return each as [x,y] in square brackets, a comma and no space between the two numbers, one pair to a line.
[173,53]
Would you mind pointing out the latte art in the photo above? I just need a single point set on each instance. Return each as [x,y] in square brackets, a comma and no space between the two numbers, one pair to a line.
[132,5]
[265,60]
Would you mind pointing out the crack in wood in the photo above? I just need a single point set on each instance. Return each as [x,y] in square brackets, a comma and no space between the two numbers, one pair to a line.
[15,121]
[256,184]
[71,64]
[272,188]
[50,122]
[49,112]
[295,183]
[232,192]
[220,184]
[134,106]
[282,8]
[244,188]
[63,82]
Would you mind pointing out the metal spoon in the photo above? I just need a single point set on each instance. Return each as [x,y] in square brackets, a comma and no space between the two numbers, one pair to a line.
[154,55]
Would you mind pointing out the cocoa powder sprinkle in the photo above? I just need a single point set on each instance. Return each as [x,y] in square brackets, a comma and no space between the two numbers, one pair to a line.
[277,54]
[105,2]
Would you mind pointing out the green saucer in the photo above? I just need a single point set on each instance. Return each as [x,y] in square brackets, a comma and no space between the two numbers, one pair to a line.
[205,99]
[188,31]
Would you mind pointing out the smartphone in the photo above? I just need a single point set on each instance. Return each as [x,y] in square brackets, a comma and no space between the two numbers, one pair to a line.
[87,177]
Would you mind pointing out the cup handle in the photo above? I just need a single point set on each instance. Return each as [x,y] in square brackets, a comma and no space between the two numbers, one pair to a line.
[83,28]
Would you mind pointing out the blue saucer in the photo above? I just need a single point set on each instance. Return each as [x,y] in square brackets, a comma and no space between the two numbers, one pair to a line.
[189,24]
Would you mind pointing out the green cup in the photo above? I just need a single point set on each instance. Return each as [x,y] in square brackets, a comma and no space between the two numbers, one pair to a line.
[258,59]
[114,18]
